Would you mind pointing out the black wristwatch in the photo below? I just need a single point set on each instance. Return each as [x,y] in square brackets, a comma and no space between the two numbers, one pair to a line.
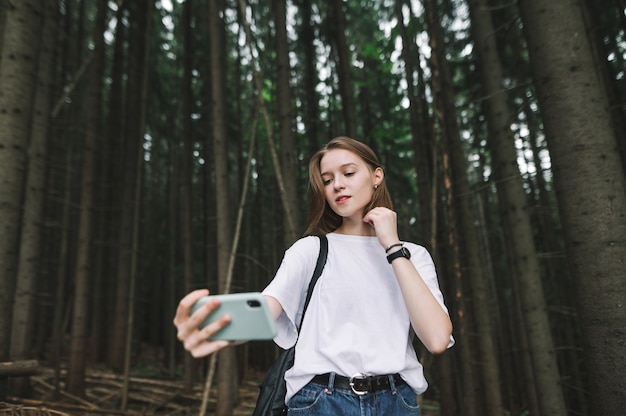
[403,252]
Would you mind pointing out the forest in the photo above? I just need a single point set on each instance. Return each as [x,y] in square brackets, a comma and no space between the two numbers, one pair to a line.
[153,147]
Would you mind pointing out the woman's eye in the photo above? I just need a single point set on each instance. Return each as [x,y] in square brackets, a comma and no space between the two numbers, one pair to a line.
[326,181]
[349,173]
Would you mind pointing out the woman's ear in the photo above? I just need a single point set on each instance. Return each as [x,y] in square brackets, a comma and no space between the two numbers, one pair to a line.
[379,175]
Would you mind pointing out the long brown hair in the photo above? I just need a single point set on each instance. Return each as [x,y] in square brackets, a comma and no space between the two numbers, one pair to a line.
[322,219]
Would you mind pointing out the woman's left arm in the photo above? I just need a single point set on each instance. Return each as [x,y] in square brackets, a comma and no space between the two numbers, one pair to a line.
[429,320]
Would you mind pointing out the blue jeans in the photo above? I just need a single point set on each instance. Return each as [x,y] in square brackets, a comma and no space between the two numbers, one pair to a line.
[317,400]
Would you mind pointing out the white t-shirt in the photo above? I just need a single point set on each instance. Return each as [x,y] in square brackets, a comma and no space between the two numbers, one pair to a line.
[357,321]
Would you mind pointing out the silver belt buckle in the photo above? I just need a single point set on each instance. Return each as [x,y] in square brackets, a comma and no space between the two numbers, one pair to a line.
[359,376]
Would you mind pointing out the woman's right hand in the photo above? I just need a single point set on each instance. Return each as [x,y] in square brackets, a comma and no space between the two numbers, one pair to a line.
[196,340]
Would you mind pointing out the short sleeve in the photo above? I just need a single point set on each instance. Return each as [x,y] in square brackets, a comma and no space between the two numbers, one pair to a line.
[290,285]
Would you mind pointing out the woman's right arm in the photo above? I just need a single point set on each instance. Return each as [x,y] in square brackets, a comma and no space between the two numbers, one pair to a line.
[275,307]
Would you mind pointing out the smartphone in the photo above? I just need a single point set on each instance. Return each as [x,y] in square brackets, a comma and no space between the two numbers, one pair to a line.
[251,318]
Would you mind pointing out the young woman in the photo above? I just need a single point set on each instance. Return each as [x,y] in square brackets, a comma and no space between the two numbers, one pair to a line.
[354,355]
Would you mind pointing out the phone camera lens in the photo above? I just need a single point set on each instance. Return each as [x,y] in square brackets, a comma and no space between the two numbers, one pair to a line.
[254,303]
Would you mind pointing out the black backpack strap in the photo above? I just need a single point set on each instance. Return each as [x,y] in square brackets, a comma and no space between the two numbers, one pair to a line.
[321,262]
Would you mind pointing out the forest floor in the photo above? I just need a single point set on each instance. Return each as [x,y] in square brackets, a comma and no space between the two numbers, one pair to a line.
[147,396]
[103,396]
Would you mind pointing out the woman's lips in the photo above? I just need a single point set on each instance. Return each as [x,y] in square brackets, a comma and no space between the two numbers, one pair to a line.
[342,199]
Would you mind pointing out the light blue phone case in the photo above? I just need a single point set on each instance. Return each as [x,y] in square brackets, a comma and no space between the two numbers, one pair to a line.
[251,318]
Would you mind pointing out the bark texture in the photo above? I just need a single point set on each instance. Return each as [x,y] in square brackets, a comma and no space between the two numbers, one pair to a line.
[589,184]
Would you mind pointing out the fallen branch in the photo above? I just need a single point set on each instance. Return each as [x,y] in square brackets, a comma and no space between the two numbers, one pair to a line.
[19,409]
[64,393]
[72,407]
[21,368]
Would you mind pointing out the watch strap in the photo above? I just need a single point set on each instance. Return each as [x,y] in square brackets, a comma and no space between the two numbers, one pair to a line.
[403,252]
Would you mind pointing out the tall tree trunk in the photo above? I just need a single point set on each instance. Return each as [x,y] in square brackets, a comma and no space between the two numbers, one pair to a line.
[18,82]
[526,394]
[132,289]
[109,183]
[80,314]
[146,10]
[589,183]
[288,157]
[133,141]
[268,123]
[344,70]
[63,150]
[173,226]
[561,283]
[226,358]
[186,160]
[310,78]
[607,70]
[29,265]
[462,316]
[62,276]
[445,116]
[420,133]
[515,212]
[184,176]
[462,204]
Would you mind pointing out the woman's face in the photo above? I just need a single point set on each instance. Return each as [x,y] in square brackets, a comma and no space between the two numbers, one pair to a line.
[348,182]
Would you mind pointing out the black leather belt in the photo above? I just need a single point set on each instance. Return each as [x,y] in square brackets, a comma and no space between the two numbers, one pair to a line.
[359,383]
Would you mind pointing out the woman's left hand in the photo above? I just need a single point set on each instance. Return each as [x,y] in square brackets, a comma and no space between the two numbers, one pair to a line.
[385,225]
